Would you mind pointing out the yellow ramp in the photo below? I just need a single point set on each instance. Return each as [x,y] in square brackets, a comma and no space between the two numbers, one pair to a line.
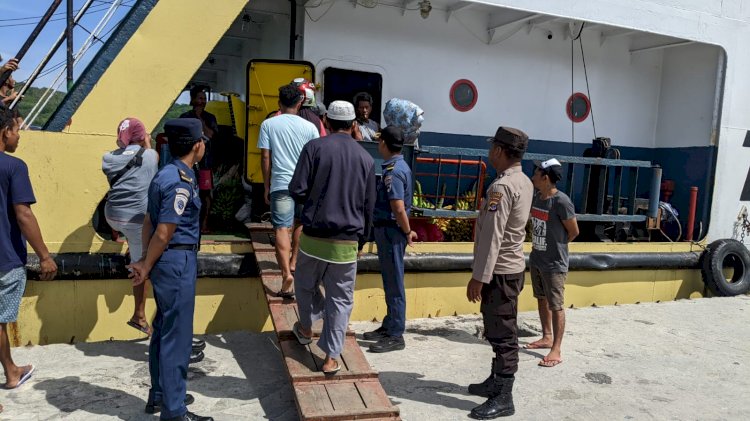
[156,63]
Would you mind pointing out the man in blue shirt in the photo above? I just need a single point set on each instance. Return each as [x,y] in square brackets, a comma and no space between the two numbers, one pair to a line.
[280,141]
[392,234]
[17,223]
[171,232]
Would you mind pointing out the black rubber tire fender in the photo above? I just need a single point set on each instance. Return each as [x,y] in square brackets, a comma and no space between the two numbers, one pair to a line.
[721,254]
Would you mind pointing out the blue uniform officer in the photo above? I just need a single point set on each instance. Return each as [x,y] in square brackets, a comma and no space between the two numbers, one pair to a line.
[392,234]
[173,230]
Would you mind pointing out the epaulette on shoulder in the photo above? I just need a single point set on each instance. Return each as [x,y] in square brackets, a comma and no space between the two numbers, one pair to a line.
[184,176]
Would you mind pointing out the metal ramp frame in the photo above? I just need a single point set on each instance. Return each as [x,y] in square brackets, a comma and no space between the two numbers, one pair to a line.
[355,392]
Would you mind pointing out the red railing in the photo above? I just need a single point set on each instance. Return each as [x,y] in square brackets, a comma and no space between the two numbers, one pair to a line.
[479,177]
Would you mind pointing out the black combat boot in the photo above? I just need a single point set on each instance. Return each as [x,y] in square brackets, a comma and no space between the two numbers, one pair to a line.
[500,405]
[483,389]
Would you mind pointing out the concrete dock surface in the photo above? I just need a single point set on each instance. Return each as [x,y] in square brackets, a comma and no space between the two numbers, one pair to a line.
[684,360]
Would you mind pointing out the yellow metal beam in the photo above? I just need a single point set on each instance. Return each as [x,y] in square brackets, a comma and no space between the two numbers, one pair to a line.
[156,64]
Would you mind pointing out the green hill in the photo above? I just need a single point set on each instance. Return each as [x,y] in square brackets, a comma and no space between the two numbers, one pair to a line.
[31,97]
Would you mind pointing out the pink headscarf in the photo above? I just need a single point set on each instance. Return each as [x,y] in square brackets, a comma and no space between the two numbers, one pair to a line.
[129,131]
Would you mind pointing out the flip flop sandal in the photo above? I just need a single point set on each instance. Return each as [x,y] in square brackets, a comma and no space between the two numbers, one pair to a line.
[532,345]
[549,363]
[334,371]
[26,376]
[302,339]
[285,294]
[140,327]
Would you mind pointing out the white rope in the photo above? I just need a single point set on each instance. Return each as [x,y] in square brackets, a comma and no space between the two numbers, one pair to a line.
[52,89]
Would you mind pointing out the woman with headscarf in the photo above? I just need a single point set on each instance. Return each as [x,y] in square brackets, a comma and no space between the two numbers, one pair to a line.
[129,170]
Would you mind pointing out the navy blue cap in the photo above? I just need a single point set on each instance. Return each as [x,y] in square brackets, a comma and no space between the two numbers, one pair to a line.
[184,131]
[392,136]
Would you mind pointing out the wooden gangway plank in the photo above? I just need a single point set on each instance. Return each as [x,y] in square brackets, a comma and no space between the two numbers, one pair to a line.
[355,392]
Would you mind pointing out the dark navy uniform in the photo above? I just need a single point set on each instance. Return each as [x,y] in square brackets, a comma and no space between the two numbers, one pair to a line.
[395,184]
[173,199]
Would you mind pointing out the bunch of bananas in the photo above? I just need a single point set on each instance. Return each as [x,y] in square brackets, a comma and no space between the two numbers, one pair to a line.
[418,200]
[459,230]
[441,223]
[467,201]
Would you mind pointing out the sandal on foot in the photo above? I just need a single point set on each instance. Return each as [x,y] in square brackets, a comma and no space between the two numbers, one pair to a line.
[534,345]
[549,363]
[144,329]
[24,377]
[334,371]
[285,294]
[302,339]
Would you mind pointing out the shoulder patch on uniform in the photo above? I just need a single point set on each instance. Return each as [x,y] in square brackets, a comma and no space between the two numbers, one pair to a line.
[494,198]
[184,176]
[180,203]
[182,191]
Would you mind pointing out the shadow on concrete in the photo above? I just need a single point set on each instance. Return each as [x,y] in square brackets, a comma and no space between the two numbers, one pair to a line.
[261,361]
[455,335]
[70,394]
[136,349]
[413,387]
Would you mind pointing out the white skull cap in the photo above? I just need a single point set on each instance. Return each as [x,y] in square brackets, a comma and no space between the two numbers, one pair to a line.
[341,110]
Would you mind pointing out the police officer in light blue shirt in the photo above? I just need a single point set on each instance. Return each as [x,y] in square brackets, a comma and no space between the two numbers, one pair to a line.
[171,264]
[392,234]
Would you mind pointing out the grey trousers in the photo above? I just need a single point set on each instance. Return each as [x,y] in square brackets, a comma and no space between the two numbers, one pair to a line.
[334,307]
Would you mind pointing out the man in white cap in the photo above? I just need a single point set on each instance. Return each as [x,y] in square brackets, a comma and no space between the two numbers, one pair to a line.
[335,182]
[553,219]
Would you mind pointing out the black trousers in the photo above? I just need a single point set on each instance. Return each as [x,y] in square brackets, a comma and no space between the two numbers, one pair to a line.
[499,310]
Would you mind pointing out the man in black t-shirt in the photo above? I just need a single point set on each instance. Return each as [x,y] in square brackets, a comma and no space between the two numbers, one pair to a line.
[554,225]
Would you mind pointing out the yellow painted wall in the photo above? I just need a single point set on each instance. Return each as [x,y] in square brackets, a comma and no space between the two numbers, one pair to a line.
[91,311]
[97,310]
[155,65]
[444,294]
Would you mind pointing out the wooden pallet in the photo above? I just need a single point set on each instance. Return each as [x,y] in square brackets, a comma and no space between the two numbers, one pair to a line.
[355,392]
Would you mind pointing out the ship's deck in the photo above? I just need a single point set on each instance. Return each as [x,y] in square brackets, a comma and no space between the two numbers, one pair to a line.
[677,360]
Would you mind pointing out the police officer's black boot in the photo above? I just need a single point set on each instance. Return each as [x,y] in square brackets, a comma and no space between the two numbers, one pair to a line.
[189,416]
[501,404]
[485,388]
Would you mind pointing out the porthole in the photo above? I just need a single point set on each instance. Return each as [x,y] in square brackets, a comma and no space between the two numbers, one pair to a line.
[463,95]
[578,107]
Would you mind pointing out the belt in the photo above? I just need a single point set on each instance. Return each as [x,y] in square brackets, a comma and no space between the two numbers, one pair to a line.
[191,247]
[386,223]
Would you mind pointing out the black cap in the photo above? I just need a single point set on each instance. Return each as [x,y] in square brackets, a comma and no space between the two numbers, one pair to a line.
[185,131]
[392,136]
[511,138]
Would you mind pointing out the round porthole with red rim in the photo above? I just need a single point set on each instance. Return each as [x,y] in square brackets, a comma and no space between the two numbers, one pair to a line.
[578,107]
[463,95]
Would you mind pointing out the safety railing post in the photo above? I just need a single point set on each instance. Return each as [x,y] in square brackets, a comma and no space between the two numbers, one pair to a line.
[632,190]
[618,191]
[569,180]
[458,178]
[602,191]
[653,197]
[586,186]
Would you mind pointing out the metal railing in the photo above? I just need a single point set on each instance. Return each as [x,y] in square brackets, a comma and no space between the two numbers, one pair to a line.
[462,168]
[609,174]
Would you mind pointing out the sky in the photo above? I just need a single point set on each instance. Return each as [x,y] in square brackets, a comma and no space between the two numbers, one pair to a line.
[18,19]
